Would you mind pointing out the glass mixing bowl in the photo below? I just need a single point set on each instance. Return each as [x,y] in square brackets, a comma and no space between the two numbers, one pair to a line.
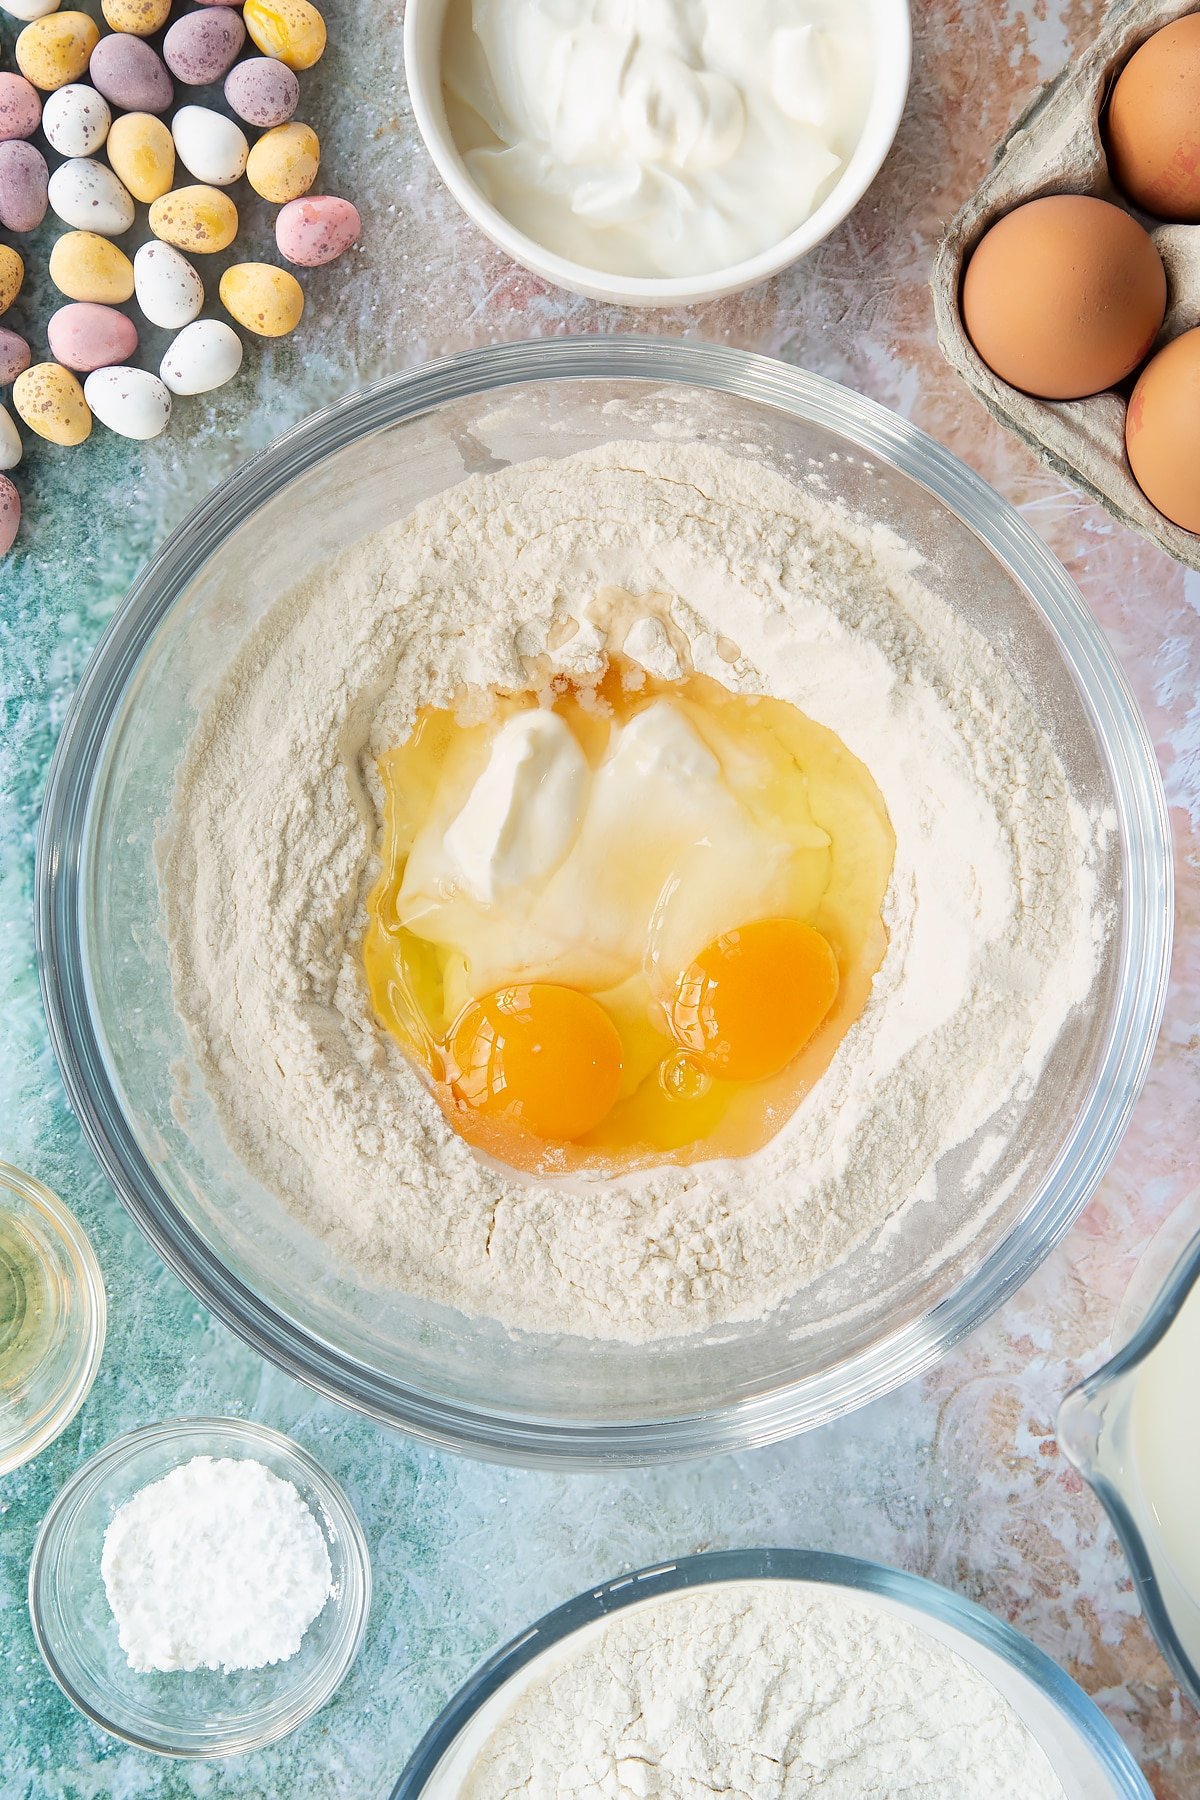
[1079,1743]
[124,1054]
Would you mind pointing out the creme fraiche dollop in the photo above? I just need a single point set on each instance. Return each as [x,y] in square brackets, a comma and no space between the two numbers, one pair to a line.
[656,138]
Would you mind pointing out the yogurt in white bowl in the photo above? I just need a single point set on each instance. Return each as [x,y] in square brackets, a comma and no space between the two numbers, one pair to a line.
[660,153]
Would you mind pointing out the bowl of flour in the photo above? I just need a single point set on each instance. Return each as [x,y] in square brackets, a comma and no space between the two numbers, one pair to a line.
[213,827]
[772,1673]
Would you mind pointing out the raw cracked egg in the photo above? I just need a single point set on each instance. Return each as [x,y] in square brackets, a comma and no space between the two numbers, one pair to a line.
[625,922]
[1162,431]
[1064,296]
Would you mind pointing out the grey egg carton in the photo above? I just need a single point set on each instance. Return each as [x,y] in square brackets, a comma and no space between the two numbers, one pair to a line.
[1055,147]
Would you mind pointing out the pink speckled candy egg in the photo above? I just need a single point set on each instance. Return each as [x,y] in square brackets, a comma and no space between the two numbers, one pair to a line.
[203,46]
[21,106]
[129,73]
[316,229]
[10,514]
[14,355]
[24,179]
[84,336]
[262,91]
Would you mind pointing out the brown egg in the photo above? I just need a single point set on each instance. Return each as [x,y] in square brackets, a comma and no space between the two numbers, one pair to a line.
[1153,126]
[1162,431]
[1064,296]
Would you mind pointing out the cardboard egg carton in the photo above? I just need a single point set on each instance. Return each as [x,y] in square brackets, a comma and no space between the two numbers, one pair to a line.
[1056,147]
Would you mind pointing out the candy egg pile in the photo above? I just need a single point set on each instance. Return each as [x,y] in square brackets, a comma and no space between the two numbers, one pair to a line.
[167,115]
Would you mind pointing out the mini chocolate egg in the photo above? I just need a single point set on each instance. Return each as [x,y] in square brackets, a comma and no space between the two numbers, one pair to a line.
[10,441]
[316,229]
[24,179]
[76,119]
[291,30]
[142,152]
[20,106]
[132,402]
[14,355]
[1064,296]
[266,300]
[283,163]
[51,402]
[12,274]
[87,196]
[141,17]
[203,46]
[85,266]
[84,337]
[262,91]
[130,74]
[55,49]
[210,146]
[204,356]
[1162,431]
[10,514]
[1153,125]
[200,220]
[28,10]
[169,291]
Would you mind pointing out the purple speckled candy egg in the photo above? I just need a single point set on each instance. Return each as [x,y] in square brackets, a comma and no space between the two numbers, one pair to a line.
[10,514]
[24,178]
[14,355]
[84,336]
[315,229]
[130,74]
[202,46]
[262,91]
[20,107]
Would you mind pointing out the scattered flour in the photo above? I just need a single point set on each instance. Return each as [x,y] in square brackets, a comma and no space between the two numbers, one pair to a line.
[219,1565]
[272,845]
[782,1691]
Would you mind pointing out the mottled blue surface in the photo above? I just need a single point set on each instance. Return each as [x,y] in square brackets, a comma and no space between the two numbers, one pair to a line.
[956,1477]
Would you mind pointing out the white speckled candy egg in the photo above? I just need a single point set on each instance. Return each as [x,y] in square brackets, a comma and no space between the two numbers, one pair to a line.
[76,119]
[28,10]
[168,289]
[132,402]
[205,355]
[10,441]
[87,196]
[210,146]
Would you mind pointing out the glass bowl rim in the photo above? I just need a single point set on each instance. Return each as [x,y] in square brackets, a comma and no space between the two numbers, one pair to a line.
[89,1291]
[1163,1311]
[1144,954]
[820,1567]
[355,1603]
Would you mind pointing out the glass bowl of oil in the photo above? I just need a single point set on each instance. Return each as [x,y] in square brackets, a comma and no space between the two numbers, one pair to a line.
[52,1315]
[1129,1429]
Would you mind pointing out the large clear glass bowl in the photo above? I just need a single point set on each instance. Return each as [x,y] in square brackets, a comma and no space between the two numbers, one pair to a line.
[1079,1743]
[465,1382]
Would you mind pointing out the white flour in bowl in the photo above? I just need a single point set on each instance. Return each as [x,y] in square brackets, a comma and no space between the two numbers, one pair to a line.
[776,1690]
[272,847]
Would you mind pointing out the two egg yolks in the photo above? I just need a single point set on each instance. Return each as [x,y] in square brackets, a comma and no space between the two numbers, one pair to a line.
[706,1060]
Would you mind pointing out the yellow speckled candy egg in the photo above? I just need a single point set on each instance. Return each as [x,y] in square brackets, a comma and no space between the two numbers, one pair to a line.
[196,219]
[51,402]
[292,31]
[264,299]
[12,274]
[283,163]
[85,266]
[142,17]
[142,152]
[56,49]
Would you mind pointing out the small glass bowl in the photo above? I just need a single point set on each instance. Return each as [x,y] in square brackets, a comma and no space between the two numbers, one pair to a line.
[52,1316]
[202,1712]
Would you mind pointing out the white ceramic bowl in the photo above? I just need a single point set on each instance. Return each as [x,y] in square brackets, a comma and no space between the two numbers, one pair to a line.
[891,31]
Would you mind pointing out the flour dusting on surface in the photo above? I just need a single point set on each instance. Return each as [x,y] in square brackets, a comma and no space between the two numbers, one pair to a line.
[273,844]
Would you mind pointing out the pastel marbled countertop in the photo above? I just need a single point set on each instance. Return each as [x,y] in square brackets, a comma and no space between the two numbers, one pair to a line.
[957,1476]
